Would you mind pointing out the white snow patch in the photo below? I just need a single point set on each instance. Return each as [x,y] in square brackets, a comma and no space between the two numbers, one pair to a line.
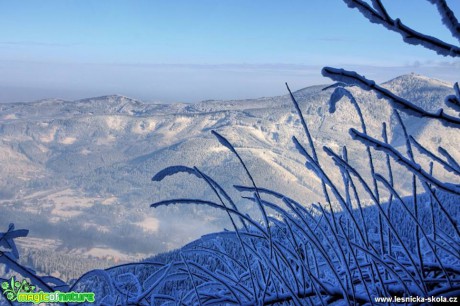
[110,254]
[258,134]
[107,140]
[68,203]
[434,82]
[115,122]
[145,126]
[109,201]
[218,149]
[270,159]
[149,224]
[42,148]
[10,117]
[47,138]
[68,140]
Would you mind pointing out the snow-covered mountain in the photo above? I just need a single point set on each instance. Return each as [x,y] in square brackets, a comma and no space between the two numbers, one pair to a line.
[78,172]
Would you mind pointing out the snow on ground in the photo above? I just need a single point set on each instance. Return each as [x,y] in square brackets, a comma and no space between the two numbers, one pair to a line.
[111,254]
[149,224]
[67,140]
[47,138]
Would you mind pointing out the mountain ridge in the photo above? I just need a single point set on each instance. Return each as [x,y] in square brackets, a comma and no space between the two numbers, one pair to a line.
[122,105]
[89,162]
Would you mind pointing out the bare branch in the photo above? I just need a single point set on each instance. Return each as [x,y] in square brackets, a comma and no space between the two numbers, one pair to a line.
[408,164]
[352,78]
[448,17]
[409,35]
[427,152]
[453,101]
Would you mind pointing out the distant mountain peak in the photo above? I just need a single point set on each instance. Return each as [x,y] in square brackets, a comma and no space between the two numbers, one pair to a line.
[416,80]
[110,98]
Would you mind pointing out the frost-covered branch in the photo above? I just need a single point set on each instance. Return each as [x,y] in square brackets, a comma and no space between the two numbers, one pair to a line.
[329,291]
[449,158]
[407,163]
[352,78]
[448,17]
[424,150]
[378,15]
[453,101]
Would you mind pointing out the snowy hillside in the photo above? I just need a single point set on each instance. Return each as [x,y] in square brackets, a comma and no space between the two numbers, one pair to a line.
[83,168]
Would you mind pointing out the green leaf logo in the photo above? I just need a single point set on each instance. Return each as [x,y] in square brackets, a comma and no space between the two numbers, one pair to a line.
[12,288]
[5,285]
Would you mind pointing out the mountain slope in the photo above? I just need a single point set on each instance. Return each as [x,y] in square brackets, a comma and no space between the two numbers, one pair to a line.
[85,166]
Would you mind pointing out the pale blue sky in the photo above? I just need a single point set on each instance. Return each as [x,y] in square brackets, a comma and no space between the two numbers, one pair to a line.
[202,49]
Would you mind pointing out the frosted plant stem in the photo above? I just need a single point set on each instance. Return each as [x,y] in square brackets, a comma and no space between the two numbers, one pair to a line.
[417,223]
[312,147]
[408,164]
[425,151]
[211,183]
[414,190]
[342,163]
[390,175]
[433,219]
[358,266]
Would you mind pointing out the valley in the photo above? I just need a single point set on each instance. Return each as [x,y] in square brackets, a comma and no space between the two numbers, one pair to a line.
[78,173]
